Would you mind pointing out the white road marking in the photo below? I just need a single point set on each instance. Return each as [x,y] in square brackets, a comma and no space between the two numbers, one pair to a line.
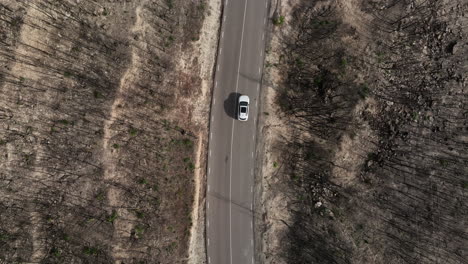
[261,53]
[251,188]
[224,18]
[208,222]
[210,152]
[253,260]
[212,118]
[259,70]
[252,154]
[232,136]
[214,100]
[256,103]
[221,51]
[266,4]
[217,68]
[216,82]
[211,135]
[253,137]
[263,36]
[208,188]
[209,170]
[208,241]
[222,35]
[209,259]
[251,242]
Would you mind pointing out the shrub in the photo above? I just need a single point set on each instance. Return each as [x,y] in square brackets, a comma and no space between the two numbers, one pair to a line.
[111,218]
[278,21]
[363,91]
[133,131]
[90,250]
[97,94]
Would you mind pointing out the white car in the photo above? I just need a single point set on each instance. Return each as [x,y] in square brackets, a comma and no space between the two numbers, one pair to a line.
[243,108]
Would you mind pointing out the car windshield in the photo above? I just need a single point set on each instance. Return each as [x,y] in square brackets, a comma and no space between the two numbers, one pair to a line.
[243,110]
[243,103]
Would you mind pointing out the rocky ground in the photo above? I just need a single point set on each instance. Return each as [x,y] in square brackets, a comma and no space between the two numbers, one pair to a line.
[366,143]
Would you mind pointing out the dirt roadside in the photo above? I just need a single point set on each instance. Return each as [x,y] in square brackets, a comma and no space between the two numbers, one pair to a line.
[270,202]
[207,47]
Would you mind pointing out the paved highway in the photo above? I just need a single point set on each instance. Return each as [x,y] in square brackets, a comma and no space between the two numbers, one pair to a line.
[232,142]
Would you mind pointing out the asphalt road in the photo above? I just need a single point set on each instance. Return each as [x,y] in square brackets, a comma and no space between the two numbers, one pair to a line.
[230,237]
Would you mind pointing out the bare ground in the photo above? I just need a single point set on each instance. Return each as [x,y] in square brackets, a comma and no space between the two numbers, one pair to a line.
[206,46]
[101,129]
[363,153]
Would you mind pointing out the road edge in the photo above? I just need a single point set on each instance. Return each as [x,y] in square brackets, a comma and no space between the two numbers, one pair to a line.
[258,212]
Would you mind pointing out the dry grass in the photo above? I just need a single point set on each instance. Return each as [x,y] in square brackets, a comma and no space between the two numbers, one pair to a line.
[373,116]
[98,137]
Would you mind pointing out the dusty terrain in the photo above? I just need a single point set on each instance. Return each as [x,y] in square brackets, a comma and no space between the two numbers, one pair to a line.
[366,135]
[100,129]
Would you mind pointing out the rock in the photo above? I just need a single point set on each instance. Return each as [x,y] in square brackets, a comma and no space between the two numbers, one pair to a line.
[318,204]
[451,47]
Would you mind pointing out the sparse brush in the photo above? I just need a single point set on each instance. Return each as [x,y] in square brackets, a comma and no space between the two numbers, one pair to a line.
[111,218]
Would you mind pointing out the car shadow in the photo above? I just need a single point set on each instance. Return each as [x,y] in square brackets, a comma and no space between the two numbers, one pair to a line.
[230,105]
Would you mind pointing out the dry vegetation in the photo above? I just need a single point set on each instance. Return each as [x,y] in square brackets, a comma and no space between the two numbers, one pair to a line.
[97,135]
[372,161]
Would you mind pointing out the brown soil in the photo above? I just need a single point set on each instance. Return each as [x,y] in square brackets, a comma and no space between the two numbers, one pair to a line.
[100,129]
[365,157]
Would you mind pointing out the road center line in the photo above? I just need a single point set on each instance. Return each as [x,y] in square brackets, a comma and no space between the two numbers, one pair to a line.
[232,136]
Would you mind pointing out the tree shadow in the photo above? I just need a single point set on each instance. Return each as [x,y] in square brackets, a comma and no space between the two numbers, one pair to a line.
[230,105]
